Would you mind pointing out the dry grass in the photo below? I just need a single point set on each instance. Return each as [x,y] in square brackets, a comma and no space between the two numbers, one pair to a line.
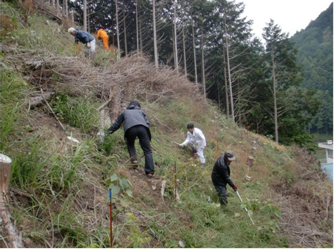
[306,204]
[133,77]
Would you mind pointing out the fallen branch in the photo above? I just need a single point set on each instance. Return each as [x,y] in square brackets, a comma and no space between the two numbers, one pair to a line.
[163,186]
[37,100]
[53,112]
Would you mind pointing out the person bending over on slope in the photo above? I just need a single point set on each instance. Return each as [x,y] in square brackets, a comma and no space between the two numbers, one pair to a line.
[102,34]
[221,176]
[196,139]
[85,38]
[136,125]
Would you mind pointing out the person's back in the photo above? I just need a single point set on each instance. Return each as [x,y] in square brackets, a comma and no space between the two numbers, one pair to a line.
[101,33]
[221,175]
[133,117]
[221,171]
[136,125]
[83,37]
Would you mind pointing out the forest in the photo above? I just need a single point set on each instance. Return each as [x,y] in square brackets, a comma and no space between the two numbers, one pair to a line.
[262,87]
[315,54]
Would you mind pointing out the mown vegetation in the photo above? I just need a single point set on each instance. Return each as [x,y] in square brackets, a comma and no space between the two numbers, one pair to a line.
[59,189]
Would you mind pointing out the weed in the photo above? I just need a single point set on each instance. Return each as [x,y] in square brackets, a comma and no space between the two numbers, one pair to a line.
[137,238]
[118,184]
[77,112]
[28,165]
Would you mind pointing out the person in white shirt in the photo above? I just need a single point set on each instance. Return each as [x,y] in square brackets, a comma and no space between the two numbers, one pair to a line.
[196,139]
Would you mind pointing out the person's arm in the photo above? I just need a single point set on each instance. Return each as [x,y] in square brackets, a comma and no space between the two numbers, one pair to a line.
[186,141]
[116,124]
[146,120]
[225,175]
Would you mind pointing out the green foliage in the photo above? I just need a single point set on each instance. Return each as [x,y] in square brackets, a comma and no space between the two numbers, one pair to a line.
[41,36]
[315,54]
[118,184]
[137,238]
[27,166]
[77,112]
[12,90]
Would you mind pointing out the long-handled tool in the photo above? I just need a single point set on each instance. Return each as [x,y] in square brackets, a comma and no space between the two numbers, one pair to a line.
[110,199]
[245,207]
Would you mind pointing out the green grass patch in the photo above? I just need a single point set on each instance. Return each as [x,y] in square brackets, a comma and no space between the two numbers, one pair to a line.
[77,112]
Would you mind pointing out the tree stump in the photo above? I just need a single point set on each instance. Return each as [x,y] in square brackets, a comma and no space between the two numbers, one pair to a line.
[10,236]
[5,166]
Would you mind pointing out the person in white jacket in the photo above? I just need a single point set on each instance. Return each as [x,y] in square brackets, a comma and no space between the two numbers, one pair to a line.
[196,139]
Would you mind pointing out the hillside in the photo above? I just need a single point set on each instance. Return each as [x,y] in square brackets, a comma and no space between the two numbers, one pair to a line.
[59,189]
[315,54]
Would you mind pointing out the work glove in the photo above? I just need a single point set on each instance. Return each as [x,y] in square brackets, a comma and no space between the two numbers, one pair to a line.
[181,145]
[88,44]
[235,188]
[101,133]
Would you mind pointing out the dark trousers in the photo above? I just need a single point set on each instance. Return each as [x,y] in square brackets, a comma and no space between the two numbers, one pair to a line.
[142,133]
[221,190]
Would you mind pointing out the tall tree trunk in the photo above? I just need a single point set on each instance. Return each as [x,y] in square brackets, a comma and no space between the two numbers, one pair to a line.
[141,37]
[72,18]
[112,33]
[194,46]
[218,95]
[117,32]
[226,85]
[124,27]
[88,21]
[173,39]
[85,15]
[57,6]
[229,79]
[137,33]
[66,8]
[275,99]
[229,72]
[176,59]
[203,66]
[155,36]
[184,51]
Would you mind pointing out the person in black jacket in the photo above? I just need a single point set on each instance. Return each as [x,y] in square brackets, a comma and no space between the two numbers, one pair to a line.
[136,125]
[221,176]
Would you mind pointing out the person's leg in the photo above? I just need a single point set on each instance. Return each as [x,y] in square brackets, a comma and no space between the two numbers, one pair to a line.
[221,190]
[130,142]
[86,51]
[193,150]
[92,49]
[106,42]
[145,144]
[200,154]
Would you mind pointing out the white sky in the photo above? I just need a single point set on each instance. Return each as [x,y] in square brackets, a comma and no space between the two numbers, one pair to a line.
[290,15]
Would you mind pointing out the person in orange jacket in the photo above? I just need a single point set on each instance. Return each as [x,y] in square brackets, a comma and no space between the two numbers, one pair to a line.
[102,34]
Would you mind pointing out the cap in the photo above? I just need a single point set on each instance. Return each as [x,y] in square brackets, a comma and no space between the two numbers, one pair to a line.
[70,30]
[229,155]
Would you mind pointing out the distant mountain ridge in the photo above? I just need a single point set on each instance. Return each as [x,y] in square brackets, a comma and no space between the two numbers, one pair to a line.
[315,54]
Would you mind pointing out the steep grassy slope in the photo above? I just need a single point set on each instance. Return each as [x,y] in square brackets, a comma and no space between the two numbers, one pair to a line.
[59,190]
